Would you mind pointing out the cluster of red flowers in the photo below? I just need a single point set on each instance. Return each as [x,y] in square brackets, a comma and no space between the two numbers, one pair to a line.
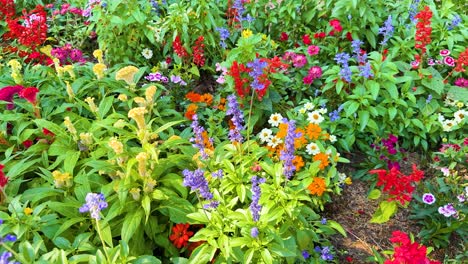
[178,48]
[7,9]
[337,28]
[180,235]
[29,93]
[406,251]
[423,30]
[398,185]
[284,36]
[242,84]
[320,35]
[32,32]
[3,178]
[462,61]
[198,52]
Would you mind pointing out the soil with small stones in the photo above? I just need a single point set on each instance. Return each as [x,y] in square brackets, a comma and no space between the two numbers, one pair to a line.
[353,211]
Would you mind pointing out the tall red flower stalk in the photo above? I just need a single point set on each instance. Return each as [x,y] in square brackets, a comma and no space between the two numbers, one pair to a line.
[241,84]
[198,52]
[178,48]
[406,251]
[423,31]
[397,185]
[462,61]
[30,94]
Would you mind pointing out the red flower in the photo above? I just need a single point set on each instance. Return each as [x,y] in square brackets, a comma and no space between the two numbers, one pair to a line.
[349,259]
[406,251]
[47,132]
[7,9]
[27,143]
[178,48]
[7,93]
[180,235]
[3,178]
[32,32]
[349,36]
[198,52]
[335,23]
[423,29]
[462,61]
[306,39]
[284,36]
[29,94]
[319,35]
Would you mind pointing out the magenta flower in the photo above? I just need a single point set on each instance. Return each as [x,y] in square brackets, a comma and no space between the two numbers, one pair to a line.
[444,52]
[449,61]
[7,93]
[313,50]
[315,72]
[299,61]
[461,82]
[29,94]
[447,210]
[428,198]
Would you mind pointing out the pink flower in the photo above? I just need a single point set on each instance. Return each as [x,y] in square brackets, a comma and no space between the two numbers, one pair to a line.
[449,61]
[461,82]
[430,62]
[308,79]
[315,72]
[415,64]
[313,50]
[299,61]
[29,94]
[444,52]
[7,93]
[335,23]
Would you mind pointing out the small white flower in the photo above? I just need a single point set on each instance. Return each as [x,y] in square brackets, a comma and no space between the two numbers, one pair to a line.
[445,171]
[460,115]
[312,149]
[441,118]
[275,119]
[265,135]
[323,110]
[315,117]
[274,141]
[309,106]
[332,138]
[147,53]
[447,125]
[341,177]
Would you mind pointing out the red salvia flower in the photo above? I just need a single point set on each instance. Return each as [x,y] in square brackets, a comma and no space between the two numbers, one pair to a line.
[241,84]
[3,178]
[180,235]
[47,132]
[462,61]
[423,29]
[7,9]
[198,52]
[178,48]
[29,94]
[27,143]
[32,32]
[7,93]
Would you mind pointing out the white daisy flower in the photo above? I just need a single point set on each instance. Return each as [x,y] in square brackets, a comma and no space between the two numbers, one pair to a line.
[147,53]
[312,149]
[460,115]
[309,106]
[315,117]
[275,119]
[332,138]
[447,125]
[265,135]
[274,141]
[323,110]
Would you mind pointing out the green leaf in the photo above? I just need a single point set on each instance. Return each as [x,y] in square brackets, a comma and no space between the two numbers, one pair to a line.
[167,125]
[202,254]
[131,224]
[374,194]
[335,225]
[105,106]
[386,210]
[146,259]
[351,108]
[363,119]
[392,111]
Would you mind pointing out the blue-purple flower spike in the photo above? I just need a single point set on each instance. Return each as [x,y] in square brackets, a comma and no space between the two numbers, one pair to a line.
[287,155]
[95,202]
[237,119]
[198,141]
[196,181]
[255,208]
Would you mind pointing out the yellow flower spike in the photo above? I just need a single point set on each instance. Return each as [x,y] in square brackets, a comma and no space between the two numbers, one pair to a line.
[92,105]
[150,185]
[140,101]
[46,50]
[99,70]
[62,179]
[69,70]
[86,138]
[98,55]
[142,158]
[122,97]
[149,93]
[138,114]
[28,211]
[70,92]
[69,125]
[247,33]
[16,71]
[127,74]
[135,192]
[116,145]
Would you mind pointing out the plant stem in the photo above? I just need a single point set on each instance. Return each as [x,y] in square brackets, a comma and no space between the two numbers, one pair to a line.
[98,228]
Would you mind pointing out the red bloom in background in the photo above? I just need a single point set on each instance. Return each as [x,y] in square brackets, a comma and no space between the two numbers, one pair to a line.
[3,178]
[27,143]
[178,48]
[319,35]
[32,31]
[7,93]
[462,61]
[7,9]
[406,251]
[349,36]
[284,36]
[180,235]
[198,52]
[423,29]
[47,132]
[306,39]
[335,23]
[29,94]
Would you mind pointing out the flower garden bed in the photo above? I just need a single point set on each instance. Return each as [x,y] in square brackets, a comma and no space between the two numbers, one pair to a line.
[233,131]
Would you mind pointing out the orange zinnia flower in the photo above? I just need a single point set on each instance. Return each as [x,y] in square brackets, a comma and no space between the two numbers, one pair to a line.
[323,158]
[318,186]
[298,162]
[180,235]
[313,131]
[300,141]
[194,97]
[191,110]
[206,98]
[206,141]
[222,104]
[283,130]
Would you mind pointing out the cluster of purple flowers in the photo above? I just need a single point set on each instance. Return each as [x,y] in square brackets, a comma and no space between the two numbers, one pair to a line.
[239,6]
[255,208]
[325,253]
[68,55]
[196,181]
[343,59]
[217,174]
[364,66]
[287,154]
[177,80]
[223,34]
[448,210]
[198,141]
[454,23]
[157,77]
[237,119]
[5,256]
[389,144]
[386,30]
[257,67]
[335,114]
[413,10]
[95,202]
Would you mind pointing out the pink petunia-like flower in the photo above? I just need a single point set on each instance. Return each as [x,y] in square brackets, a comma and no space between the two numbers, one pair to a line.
[428,198]
[447,210]
[415,64]
[313,50]
[449,61]
[29,94]
[315,72]
[444,52]
[299,61]
[7,93]
[430,62]
[308,79]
